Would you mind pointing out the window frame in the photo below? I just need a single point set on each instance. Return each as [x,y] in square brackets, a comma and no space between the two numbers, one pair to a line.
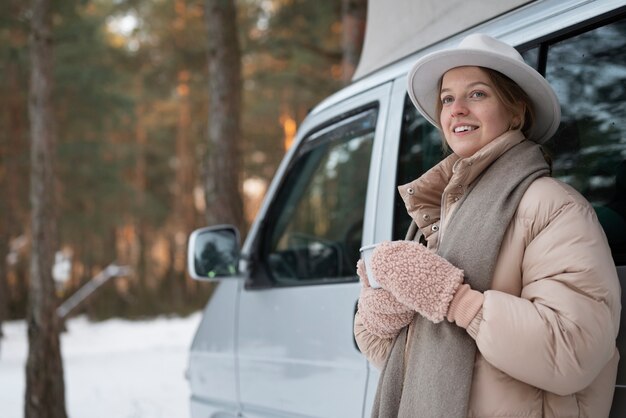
[308,143]
[258,274]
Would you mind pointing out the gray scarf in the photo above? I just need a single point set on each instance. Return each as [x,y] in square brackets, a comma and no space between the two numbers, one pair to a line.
[437,378]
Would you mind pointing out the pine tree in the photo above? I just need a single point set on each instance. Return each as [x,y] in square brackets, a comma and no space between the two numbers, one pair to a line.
[222,180]
[45,389]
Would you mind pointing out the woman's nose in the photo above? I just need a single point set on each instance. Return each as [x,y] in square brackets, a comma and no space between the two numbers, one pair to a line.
[458,108]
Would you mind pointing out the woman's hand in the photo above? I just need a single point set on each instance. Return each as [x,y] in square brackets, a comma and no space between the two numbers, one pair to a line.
[380,312]
[417,277]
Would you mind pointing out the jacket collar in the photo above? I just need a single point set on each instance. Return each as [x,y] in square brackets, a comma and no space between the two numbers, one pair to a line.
[471,167]
[423,196]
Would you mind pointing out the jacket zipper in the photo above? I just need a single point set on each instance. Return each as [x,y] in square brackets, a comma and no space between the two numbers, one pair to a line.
[441,218]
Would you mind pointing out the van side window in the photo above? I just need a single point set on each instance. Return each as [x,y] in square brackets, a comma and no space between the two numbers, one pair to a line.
[420,149]
[318,216]
[588,73]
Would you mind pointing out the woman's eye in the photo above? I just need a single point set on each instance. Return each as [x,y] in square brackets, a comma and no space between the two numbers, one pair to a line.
[477,94]
[446,100]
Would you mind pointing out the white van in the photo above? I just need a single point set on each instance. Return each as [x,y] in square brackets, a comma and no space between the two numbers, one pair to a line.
[276,337]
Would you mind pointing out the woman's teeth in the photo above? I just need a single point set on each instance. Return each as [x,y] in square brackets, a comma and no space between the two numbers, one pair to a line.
[464,128]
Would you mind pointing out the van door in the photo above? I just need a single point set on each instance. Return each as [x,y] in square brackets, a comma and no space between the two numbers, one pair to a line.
[296,352]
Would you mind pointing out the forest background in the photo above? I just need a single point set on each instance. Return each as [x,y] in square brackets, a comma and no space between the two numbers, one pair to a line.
[130,101]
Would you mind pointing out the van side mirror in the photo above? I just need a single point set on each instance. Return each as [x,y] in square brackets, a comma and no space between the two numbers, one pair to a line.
[213,252]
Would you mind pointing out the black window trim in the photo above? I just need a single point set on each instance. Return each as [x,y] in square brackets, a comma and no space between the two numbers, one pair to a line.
[544,42]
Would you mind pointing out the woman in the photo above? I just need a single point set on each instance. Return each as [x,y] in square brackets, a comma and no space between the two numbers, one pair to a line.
[512,308]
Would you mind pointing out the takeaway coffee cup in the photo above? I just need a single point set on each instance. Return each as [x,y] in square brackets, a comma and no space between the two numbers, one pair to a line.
[366,255]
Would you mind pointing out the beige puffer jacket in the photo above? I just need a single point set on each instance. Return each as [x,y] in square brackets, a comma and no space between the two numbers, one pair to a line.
[546,332]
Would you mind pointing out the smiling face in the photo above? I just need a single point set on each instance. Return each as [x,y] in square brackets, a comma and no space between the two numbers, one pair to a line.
[472,115]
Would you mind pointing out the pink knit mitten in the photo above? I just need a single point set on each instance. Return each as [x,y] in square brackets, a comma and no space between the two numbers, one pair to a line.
[380,312]
[417,277]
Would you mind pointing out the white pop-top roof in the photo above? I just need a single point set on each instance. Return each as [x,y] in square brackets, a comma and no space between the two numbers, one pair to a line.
[398,28]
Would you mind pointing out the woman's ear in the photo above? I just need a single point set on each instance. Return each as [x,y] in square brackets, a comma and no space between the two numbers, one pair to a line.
[517,120]
[516,123]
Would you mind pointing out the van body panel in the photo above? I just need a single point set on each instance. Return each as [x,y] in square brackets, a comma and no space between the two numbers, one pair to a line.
[212,371]
[297,355]
[207,407]
[389,158]
[382,95]
[372,386]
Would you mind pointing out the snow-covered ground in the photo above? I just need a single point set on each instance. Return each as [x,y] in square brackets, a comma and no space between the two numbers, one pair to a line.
[116,368]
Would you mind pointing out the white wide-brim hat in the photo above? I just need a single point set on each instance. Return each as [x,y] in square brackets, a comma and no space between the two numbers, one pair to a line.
[484,51]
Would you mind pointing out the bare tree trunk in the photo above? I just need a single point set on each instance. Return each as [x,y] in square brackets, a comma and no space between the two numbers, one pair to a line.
[223,187]
[183,206]
[12,138]
[184,210]
[45,389]
[353,15]
[5,236]
[184,219]
[4,288]
[141,136]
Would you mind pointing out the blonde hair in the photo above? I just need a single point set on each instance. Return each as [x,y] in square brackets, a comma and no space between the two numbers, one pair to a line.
[510,94]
